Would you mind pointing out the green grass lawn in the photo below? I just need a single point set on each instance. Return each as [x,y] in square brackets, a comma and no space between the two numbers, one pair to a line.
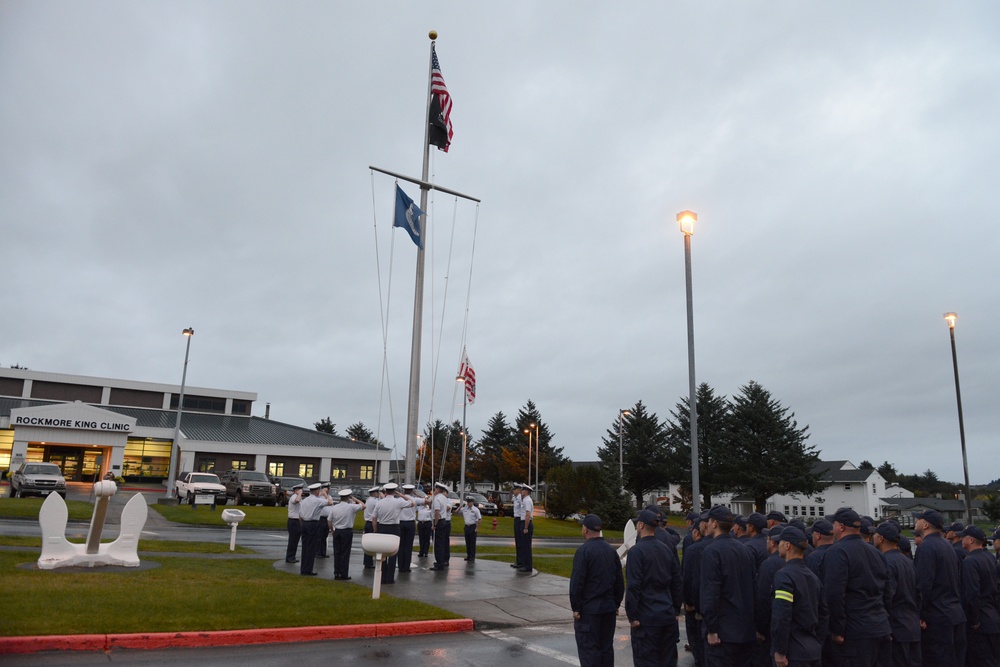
[188,594]
[159,546]
[28,508]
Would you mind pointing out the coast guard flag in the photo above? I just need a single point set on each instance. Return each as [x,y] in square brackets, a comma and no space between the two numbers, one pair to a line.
[408,217]
[469,377]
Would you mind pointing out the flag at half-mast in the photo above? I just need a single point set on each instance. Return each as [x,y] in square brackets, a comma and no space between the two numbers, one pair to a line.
[440,113]
[408,217]
[468,376]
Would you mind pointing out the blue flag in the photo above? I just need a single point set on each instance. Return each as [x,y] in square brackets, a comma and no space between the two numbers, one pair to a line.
[408,217]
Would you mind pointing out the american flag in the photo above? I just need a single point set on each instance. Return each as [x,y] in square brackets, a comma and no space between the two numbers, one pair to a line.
[441,130]
[468,376]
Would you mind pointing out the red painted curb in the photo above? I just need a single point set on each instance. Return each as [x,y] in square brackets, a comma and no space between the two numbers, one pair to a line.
[160,640]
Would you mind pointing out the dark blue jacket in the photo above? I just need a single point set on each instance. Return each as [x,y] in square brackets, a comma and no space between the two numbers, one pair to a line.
[691,572]
[904,605]
[727,574]
[798,613]
[979,592]
[854,582]
[764,593]
[654,583]
[758,547]
[939,583]
[815,559]
[596,585]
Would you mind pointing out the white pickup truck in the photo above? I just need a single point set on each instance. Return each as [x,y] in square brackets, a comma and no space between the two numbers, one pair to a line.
[191,484]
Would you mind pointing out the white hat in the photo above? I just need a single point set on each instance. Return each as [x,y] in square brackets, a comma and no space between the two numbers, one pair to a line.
[344,493]
[374,489]
[441,485]
[525,486]
[408,487]
[391,486]
[516,485]
[315,487]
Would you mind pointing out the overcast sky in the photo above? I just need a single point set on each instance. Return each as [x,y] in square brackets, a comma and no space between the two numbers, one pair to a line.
[175,164]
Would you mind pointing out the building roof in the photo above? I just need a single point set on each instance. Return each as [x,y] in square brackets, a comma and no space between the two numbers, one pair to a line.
[939,504]
[215,428]
[834,471]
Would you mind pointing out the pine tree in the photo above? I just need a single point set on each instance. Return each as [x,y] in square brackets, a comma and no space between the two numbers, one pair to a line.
[488,462]
[644,451]
[712,413]
[324,425]
[362,433]
[547,456]
[765,453]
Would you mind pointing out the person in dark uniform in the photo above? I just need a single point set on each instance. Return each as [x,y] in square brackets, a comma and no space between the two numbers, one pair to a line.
[798,608]
[691,520]
[727,575]
[596,589]
[979,599]
[904,604]
[740,528]
[757,540]
[822,539]
[294,525]
[953,534]
[995,539]
[942,642]
[855,584]
[653,602]
[691,588]
[775,518]
[764,597]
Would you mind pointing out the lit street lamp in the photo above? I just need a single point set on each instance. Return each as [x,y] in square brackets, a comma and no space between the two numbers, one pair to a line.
[686,219]
[174,449]
[537,467]
[528,431]
[621,470]
[950,318]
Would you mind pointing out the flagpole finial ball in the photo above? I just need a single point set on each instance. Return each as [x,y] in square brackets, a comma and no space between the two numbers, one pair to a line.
[433,34]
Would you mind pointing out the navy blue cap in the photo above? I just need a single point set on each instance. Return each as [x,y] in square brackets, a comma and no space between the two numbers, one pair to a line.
[798,523]
[956,527]
[975,532]
[904,544]
[795,536]
[774,532]
[867,526]
[932,517]
[823,527]
[693,517]
[740,521]
[847,517]
[592,522]
[775,515]
[889,531]
[757,520]
[721,513]
[649,517]
[995,535]
[703,516]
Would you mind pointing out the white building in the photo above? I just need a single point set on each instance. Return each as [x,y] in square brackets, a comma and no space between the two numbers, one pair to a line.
[89,426]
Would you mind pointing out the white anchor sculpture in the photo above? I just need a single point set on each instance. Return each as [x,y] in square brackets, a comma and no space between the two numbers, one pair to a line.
[628,542]
[58,552]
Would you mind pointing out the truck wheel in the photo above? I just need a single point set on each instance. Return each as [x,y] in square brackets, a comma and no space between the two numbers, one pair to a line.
[10,494]
[239,498]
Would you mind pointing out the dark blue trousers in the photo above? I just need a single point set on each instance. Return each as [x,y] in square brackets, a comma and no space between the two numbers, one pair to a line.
[310,543]
[369,560]
[294,537]
[389,564]
[343,539]
[424,532]
[442,543]
[407,531]
[655,645]
[470,542]
[595,636]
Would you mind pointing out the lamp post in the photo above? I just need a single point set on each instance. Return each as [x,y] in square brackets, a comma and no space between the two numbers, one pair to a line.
[951,318]
[686,219]
[528,431]
[538,448]
[621,468]
[174,449]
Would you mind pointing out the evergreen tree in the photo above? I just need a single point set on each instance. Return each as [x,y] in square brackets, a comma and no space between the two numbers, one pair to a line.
[765,453]
[546,456]
[866,465]
[644,451]
[888,472]
[362,433]
[712,413]
[324,425]
[488,462]
[445,443]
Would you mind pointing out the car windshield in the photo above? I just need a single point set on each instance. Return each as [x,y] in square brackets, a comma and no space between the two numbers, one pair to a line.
[453,495]
[289,481]
[205,478]
[42,469]
[254,477]
[479,498]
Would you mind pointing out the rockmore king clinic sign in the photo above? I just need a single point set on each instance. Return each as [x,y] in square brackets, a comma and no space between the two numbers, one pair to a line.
[59,422]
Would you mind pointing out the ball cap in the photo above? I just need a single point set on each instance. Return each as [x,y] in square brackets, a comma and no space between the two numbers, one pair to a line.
[757,520]
[888,530]
[343,493]
[847,517]
[932,517]
[794,536]
[721,513]
[975,532]
[649,517]
[823,527]
[775,515]
[693,517]
[592,522]
[774,533]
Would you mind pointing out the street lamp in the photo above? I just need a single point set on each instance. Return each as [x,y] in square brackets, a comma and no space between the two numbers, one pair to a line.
[174,449]
[621,470]
[951,318]
[538,447]
[528,431]
[686,219]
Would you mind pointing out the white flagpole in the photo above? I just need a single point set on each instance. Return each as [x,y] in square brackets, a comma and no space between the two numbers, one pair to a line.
[413,403]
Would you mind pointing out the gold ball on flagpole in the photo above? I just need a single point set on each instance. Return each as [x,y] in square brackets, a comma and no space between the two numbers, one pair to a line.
[433,34]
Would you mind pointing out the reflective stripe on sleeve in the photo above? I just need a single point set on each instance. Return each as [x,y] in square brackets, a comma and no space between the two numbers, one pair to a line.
[784,595]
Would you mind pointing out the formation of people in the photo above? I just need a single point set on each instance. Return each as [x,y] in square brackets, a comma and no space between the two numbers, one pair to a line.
[314,514]
[760,591]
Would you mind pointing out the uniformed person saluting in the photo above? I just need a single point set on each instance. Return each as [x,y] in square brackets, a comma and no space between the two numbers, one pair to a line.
[473,519]
[425,522]
[310,509]
[386,522]
[294,524]
[408,528]
[441,508]
[798,610]
[370,503]
[342,521]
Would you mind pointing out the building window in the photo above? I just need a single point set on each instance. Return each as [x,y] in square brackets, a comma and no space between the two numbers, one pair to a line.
[276,469]
[367,472]
[146,457]
[821,511]
[847,487]
[241,464]
[812,510]
[305,470]
[874,490]
[206,465]
[788,510]
[338,472]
